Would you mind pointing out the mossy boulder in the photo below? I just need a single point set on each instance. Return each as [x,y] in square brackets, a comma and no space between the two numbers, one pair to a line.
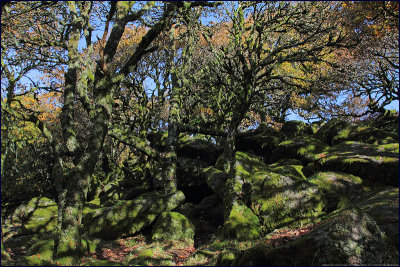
[278,194]
[190,172]
[365,132]
[340,189]
[38,216]
[295,128]
[111,192]
[316,125]
[226,258]
[330,129]
[375,164]
[383,207]
[200,149]
[304,148]
[282,200]
[128,217]
[173,226]
[215,180]
[350,238]
[206,216]
[134,192]
[310,169]
[241,183]
[388,122]
[261,143]
[25,210]
[241,224]
[292,168]
[41,253]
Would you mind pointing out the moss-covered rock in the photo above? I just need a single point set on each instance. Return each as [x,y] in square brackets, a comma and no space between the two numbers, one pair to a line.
[247,164]
[383,207]
[173,226]
[198,149]
[226,258]
[310,169]
[206,216]
[128,217]
[292,168]
[261,143]
[241,223]
[38,216]
[351,238]
[215,180]
[41,252]
[304,148]
[25,210]
[111,192]
[281,200]
[134,192]
[365,132]
[295,128]
[316,125]
[190,172]
[329,130]
[278,194]
[373,163]
[340,189]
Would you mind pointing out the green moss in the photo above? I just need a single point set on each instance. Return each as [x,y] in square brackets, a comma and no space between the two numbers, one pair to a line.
[153,256]
[305,148]
[349,238]
[242,224]
[283,200]
[39,216]
[173,226]
[295,128]
[286,161]
[146,253]
[365,132]
[4,254]
[331,129]
[129,217]
[373,163]
[41,253]
[91,207]
[103,263]
[339,188]
[293,171]
[215,180]
[226,258]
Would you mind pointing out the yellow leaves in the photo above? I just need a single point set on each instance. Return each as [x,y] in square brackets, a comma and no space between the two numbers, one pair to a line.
[48,108]
[48,105]
[297,100]
[206,110]
[132,36]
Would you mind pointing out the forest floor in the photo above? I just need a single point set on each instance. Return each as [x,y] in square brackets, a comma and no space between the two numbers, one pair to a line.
[140,250]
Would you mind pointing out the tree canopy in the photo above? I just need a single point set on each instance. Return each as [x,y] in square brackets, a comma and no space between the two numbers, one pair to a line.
[88,84]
